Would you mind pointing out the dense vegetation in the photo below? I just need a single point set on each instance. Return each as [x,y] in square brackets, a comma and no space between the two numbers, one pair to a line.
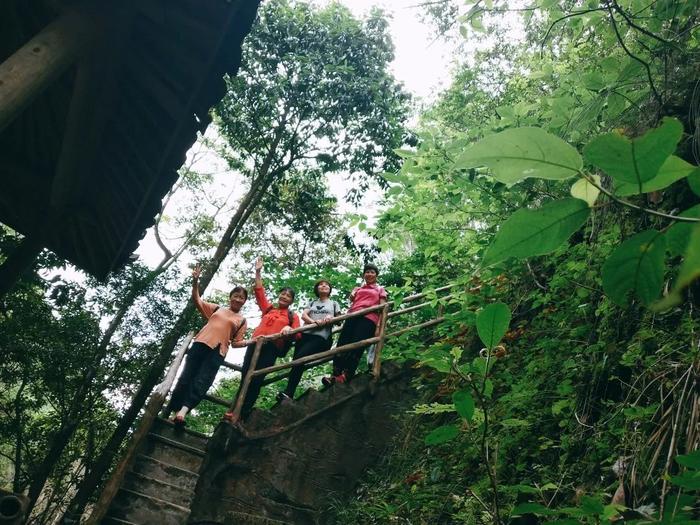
[554,182]
[549,177]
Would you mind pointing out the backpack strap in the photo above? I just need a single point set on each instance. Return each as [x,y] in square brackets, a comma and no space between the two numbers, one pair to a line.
[238,330]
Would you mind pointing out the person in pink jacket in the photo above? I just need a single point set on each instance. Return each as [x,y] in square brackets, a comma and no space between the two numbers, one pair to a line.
[358,328]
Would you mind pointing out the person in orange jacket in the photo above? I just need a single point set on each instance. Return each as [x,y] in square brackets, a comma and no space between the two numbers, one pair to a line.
[225,326]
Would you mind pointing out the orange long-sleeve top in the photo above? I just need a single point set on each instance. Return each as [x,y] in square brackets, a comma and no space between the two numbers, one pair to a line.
[274,318]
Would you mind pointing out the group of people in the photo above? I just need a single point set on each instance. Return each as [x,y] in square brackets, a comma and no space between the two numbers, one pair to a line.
[226,326]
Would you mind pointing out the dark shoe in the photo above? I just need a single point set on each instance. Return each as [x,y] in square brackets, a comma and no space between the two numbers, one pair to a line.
[340,378]
[282,397]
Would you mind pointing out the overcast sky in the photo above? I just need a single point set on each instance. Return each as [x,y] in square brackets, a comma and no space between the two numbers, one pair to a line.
[421,64]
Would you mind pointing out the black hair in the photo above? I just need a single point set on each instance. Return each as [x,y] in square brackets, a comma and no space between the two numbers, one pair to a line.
[318,283]
[239,289]
[370,266]
[290,290]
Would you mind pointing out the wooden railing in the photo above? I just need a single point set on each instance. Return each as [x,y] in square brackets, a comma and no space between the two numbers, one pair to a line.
[155,403]
[387,311]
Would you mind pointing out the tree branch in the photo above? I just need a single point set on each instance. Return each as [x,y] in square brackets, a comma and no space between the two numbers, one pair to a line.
[634,57]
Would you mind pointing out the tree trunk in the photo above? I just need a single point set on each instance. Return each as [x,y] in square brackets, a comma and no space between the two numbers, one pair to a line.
[72,419]
[105,458]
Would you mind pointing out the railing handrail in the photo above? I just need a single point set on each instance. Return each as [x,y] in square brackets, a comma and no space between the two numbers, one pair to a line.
[340,318]
[310,326]
[321,357]
[153,406]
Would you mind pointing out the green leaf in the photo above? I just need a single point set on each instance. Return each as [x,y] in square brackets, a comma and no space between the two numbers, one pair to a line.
[532,508]
[687,480]
[535,232]
[519,153]
[592,506]
[678,235]
[635,161]
[492,323]
[689,271]
[526,489]
[464,403]
[694,182]
[514,423]
[593,81]
[672,170]
[691,460]
[442,434]
[637,266]
[584,190]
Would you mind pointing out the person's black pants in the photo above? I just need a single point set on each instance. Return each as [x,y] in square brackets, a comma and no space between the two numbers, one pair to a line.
[267,357]
[355,329]
[201,365]
[309,344]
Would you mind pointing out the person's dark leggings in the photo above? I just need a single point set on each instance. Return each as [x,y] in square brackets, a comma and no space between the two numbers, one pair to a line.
[310,344]
[355,329]
[200,370]
[267,357]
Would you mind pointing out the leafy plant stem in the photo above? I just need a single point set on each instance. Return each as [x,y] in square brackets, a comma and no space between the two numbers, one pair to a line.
[634,206]
[495,511]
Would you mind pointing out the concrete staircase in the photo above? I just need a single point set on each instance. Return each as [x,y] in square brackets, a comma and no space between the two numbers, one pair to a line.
[280,467]
[159,487]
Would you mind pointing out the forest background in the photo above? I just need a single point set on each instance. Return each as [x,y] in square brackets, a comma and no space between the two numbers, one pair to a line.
[553,181]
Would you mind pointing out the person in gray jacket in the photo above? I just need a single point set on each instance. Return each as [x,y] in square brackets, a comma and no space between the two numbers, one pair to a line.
[319,312]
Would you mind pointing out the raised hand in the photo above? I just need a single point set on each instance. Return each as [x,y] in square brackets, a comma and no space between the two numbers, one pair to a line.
[196,272]
[258,264]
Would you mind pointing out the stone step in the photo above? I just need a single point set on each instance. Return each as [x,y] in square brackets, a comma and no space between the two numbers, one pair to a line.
[165,472]
[172,453]
[136,507]
[174,493]
[111,520]
[165,428]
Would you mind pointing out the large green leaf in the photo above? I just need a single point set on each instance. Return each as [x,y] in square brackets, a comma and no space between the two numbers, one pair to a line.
[635,161]
[689,271]
[637,266]
[672,170]
[694,182]
[492,323]
[532,508]
[464,403]
[678,235]
[691,460]
[518,153]
[536,232]
[441,434]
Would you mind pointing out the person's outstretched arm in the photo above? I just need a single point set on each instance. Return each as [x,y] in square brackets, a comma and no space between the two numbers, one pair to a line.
[263,303]
[258,272]
[203,307]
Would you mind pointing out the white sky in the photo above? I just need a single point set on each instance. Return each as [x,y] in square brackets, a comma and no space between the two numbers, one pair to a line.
[421,63]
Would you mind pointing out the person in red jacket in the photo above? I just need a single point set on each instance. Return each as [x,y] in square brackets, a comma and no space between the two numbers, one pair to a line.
[275,319]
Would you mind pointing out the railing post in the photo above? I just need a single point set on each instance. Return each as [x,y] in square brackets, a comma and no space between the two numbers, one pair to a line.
[245,381]
[376,366]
